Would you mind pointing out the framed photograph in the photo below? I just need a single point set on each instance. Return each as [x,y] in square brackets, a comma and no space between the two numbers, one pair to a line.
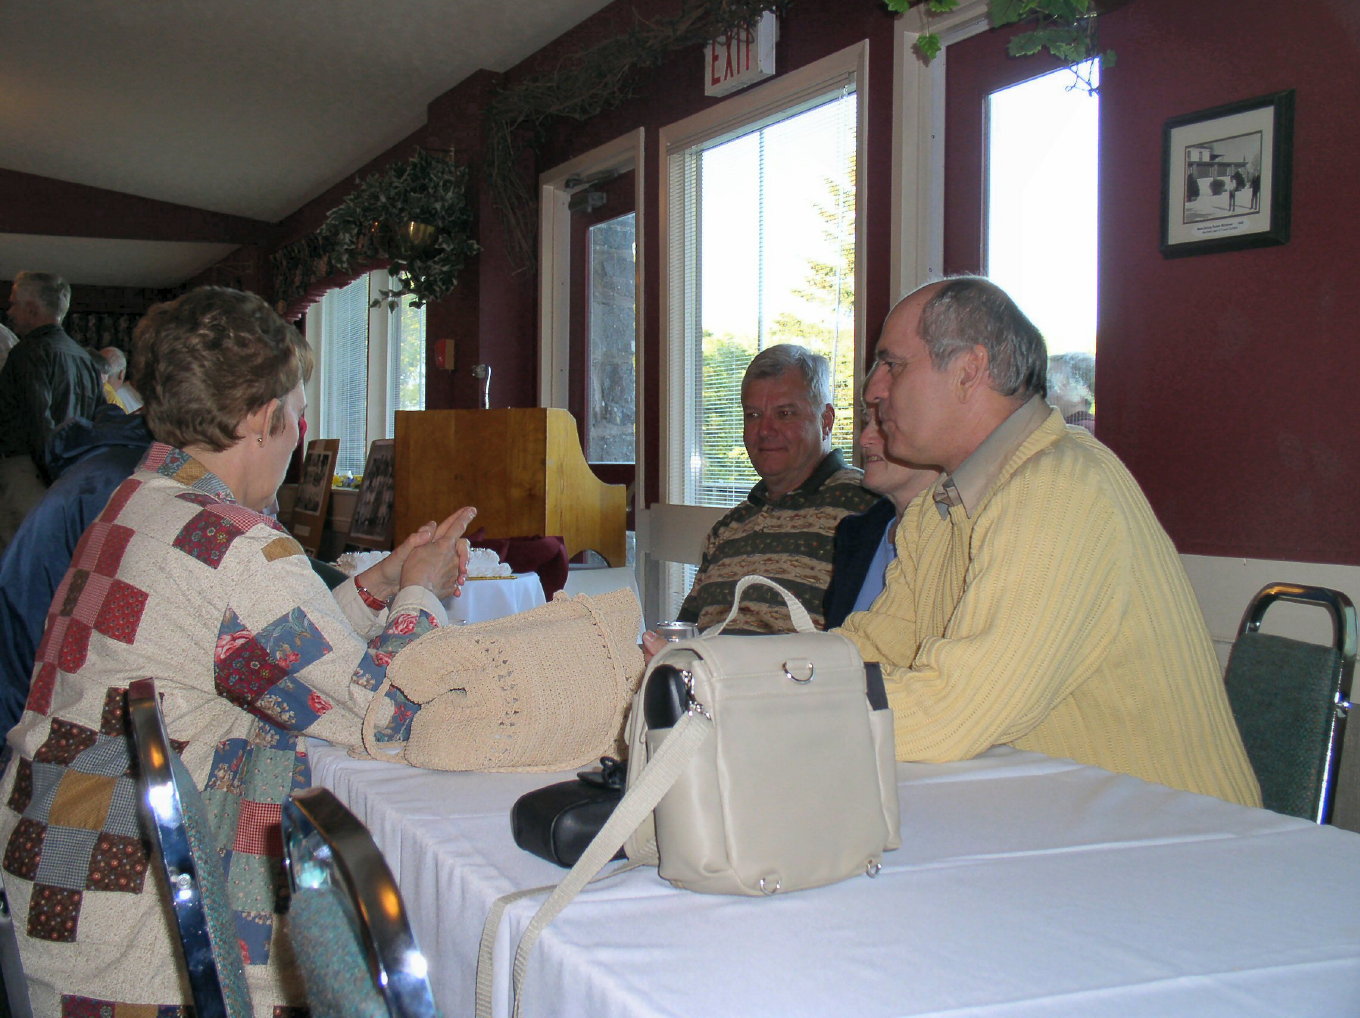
[1226,176]
[314,492]
[371,525]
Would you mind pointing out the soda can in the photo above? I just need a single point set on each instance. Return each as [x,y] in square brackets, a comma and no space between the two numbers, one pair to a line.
[676,631]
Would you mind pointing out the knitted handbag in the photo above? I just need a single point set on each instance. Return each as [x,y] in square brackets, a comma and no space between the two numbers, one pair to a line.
[542,690]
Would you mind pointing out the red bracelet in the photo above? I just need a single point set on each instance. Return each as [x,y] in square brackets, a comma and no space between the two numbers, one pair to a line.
[368,598]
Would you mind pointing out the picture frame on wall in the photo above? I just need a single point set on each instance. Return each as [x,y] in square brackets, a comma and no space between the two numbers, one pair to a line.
[371,524]
[1226,176]
[314,492]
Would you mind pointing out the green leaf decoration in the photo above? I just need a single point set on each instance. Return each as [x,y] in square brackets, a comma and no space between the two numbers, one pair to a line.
[415,216]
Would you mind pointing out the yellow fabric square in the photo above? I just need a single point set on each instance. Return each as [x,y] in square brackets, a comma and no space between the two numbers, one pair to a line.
[281,547]
[82,801]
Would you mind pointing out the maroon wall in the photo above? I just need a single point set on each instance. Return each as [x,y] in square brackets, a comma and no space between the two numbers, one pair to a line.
[1227,382]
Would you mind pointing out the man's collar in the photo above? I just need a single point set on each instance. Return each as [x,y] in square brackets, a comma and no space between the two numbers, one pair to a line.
[830,463]
[975,476]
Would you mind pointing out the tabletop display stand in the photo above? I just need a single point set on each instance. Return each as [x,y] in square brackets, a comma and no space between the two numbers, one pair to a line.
[314,493]
[371,524]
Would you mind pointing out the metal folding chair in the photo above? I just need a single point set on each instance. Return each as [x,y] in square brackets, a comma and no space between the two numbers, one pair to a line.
[347,919]
[1290,700]
[189,861]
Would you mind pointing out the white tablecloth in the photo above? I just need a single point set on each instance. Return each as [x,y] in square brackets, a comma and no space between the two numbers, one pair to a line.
[1025,886]
[486,599]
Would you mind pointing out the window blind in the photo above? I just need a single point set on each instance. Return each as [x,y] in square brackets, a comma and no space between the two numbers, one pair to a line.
[761,251]
[344,373]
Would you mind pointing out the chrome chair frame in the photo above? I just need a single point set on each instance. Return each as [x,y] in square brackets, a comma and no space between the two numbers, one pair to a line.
[324,843]
[163,798]
[1343,615]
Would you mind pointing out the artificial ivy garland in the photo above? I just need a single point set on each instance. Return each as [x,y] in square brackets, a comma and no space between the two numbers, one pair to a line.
[415,215]
[1066,28]
[583,86]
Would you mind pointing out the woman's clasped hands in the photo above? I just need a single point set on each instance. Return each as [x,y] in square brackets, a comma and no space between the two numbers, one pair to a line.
[434,557]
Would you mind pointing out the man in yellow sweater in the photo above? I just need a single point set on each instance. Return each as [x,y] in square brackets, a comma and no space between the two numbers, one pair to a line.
[1035,600]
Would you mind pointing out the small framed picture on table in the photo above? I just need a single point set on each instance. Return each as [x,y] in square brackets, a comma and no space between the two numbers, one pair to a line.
[314,492]
[371,525]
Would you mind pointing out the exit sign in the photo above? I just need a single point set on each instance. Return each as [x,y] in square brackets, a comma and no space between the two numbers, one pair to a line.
[741,57]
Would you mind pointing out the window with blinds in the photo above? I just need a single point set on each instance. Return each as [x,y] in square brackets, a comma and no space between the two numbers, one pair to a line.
[762,242]
[370,363]
[342,359]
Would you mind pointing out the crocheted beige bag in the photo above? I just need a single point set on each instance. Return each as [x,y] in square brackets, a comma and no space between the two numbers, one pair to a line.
[543,690]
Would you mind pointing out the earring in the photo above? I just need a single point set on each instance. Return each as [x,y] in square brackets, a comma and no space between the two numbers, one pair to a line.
[260,439]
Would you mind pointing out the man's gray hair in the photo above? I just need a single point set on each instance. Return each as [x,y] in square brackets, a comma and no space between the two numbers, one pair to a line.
[971,311]
[815,369]
[1072,376]
[47,289]
[114,358]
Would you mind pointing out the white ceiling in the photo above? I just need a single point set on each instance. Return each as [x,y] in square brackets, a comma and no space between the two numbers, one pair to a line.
[245,107]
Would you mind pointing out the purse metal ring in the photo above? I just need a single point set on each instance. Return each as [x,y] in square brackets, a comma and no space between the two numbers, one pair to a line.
[768,888]
[799,670]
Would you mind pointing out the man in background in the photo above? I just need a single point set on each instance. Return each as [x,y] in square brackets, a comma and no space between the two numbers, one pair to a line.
[47,379]
[114,372]
[785,527]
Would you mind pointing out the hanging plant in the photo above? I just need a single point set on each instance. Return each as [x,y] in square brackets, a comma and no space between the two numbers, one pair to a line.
[1064,28]
[415,215]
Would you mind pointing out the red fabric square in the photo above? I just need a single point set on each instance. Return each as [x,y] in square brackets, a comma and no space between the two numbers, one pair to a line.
[22,792]
[91,598]
[257,829]
[74,646]
[53,913]
[24,850]
[113,542]
[121,613]
[115,707]
[243,669]
[40,690]
[117,864]
[119,499]
[65,741]
[207,537]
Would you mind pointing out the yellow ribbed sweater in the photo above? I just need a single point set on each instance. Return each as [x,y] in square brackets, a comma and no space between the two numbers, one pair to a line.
[1058,618]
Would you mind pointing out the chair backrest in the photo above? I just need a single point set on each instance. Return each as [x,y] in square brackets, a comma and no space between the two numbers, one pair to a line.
[1290,700]
[347,919]
[182,836]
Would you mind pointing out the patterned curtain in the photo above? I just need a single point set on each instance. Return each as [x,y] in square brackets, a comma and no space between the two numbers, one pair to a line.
[102,329]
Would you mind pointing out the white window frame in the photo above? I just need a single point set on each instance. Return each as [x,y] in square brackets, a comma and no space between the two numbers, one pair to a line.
[378,367]
[675,530]
[917,254]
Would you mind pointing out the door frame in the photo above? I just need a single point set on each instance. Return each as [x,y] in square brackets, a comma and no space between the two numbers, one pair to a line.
[554,259]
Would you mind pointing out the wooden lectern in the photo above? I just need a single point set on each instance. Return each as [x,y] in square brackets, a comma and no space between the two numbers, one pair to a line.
[522,468]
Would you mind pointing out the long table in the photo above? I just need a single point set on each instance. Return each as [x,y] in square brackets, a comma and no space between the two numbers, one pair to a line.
[1026,887]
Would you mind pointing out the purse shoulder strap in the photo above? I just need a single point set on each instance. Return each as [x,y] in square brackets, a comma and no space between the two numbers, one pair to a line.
[802,621]
[641,798]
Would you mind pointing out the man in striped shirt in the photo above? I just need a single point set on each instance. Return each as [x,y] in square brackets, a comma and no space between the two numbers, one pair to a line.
[785,528]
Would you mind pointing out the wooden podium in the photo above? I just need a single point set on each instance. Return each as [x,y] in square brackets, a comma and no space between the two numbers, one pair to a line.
[522,468]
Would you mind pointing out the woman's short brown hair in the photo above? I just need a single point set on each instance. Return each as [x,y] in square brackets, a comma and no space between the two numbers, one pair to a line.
[204,361]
